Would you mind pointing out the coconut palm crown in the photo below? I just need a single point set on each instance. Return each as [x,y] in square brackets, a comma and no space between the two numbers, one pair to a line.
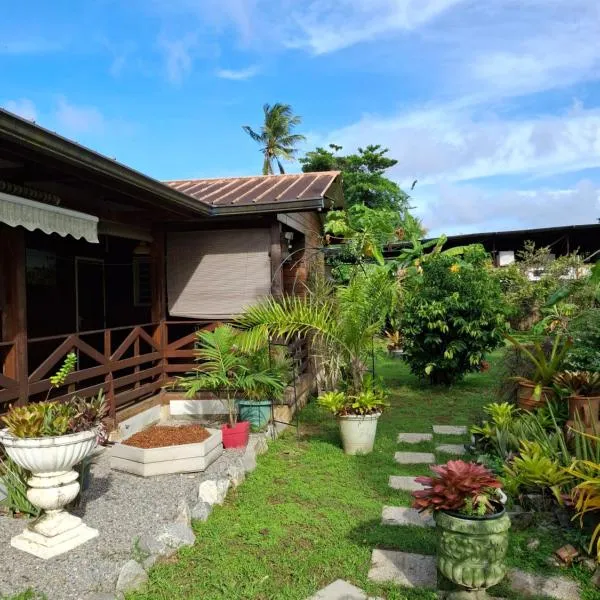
[276,137]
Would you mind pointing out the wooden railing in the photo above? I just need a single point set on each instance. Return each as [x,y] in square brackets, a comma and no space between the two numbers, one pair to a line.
[128,363]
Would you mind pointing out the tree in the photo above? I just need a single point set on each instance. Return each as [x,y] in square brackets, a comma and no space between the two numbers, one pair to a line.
[452,314]
[363,175]
[276,137]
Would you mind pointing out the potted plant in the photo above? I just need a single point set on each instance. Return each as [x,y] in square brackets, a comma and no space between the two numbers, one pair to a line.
[256,406]
[467,503]
[225,368]
[535,392]
[49,439]
[582,389]
[394,343]
[357,415]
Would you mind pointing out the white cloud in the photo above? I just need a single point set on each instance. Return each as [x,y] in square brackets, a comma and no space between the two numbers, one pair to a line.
[178,55]
[23,108]
[454,209]
[73,119]
[238,74]
[452,143]
[328,25]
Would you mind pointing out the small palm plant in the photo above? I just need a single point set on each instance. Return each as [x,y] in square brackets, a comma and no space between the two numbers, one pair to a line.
[225,368]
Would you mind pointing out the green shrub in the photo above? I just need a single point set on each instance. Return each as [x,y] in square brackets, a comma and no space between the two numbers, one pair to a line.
[453,313]
[585,331]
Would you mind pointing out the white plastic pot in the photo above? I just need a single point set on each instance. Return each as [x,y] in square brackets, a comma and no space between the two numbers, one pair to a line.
[358,432]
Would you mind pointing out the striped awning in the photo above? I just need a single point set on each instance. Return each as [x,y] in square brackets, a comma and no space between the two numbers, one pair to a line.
[16,211]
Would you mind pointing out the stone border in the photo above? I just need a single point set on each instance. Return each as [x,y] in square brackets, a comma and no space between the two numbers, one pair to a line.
[172,536]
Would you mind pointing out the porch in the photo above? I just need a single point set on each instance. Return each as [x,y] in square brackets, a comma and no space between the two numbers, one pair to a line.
[124,296]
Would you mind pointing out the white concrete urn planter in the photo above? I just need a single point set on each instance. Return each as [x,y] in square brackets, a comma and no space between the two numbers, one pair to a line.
[358,432]
[52,486]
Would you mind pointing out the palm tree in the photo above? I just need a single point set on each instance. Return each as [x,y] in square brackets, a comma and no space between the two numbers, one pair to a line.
[341,324]
[276,137]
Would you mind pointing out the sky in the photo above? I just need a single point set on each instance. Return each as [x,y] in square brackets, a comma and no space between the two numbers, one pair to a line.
[492,106]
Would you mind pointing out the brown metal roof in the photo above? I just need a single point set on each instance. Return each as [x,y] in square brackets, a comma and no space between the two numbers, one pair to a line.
[264,191]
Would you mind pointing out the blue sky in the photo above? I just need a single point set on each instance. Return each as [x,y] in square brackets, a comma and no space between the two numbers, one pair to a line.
[494,106]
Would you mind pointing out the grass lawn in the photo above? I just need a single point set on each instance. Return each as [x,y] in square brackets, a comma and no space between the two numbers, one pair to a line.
[309,514]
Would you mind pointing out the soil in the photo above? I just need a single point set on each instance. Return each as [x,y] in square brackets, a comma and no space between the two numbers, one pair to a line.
[159,436]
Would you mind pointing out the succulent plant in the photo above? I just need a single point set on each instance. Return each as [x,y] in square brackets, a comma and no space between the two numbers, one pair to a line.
[578,383]
[458,486]
[46,419]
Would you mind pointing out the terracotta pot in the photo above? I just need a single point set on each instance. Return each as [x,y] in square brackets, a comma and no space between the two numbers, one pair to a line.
[526,400]
[237,436]
[586,410]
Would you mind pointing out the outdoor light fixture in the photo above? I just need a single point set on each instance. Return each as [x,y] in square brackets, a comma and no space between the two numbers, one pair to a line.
[289,236]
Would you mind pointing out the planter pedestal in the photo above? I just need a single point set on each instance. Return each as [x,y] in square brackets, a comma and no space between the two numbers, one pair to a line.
[52,486]
[55,531]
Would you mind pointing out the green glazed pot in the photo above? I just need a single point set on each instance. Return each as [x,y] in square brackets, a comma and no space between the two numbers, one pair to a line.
[471,551]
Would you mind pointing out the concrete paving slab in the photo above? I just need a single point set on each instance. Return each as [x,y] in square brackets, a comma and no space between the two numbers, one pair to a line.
[414,458]
[414,438]
[403,515]
[457,449]
[339,590]
[450,429]
[406,483]
[402,568]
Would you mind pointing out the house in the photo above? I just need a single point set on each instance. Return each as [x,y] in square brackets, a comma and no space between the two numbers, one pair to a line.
[97,257]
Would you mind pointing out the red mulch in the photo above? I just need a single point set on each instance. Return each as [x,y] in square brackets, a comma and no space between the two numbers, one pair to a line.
[159,436]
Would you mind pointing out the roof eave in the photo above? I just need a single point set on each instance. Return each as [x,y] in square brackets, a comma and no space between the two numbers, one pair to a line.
[51,144]
[274,207]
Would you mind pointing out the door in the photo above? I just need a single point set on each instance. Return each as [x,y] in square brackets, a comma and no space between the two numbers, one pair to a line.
[90,295]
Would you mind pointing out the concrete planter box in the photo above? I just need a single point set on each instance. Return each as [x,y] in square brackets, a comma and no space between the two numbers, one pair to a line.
[184,458]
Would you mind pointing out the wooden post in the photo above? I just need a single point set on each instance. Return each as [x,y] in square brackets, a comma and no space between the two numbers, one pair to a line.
[109,379]
[14,311]
[159,298]
[276,266]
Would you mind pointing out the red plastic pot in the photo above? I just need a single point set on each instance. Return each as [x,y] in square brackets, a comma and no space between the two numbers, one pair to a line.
[237,436]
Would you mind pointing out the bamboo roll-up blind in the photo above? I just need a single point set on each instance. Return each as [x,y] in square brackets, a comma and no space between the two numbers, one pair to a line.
[216,274]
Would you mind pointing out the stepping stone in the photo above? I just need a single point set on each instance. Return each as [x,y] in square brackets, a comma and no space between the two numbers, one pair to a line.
[402,568]
[528,584]
[414,438]
[339,590]
[450,429]
[402,515]
[451,448]
[414,458]
[406,483]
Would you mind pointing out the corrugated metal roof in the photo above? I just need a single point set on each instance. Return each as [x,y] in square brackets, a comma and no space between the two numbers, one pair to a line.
[259,190]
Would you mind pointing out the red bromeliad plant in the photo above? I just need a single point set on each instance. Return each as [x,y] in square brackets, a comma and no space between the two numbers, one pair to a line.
[459,486]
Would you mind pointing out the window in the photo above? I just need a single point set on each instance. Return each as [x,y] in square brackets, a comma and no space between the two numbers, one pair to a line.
[142,289]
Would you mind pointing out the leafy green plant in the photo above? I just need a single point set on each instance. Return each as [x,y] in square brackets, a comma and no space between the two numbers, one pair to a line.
[459,486]
[546,367]
[451,315]
[366,402]
[15,478]
[534,468]
[584,329]
[586,494]
[224,367]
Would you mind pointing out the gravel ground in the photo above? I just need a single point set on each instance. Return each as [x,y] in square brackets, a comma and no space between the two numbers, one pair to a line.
[122,507]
